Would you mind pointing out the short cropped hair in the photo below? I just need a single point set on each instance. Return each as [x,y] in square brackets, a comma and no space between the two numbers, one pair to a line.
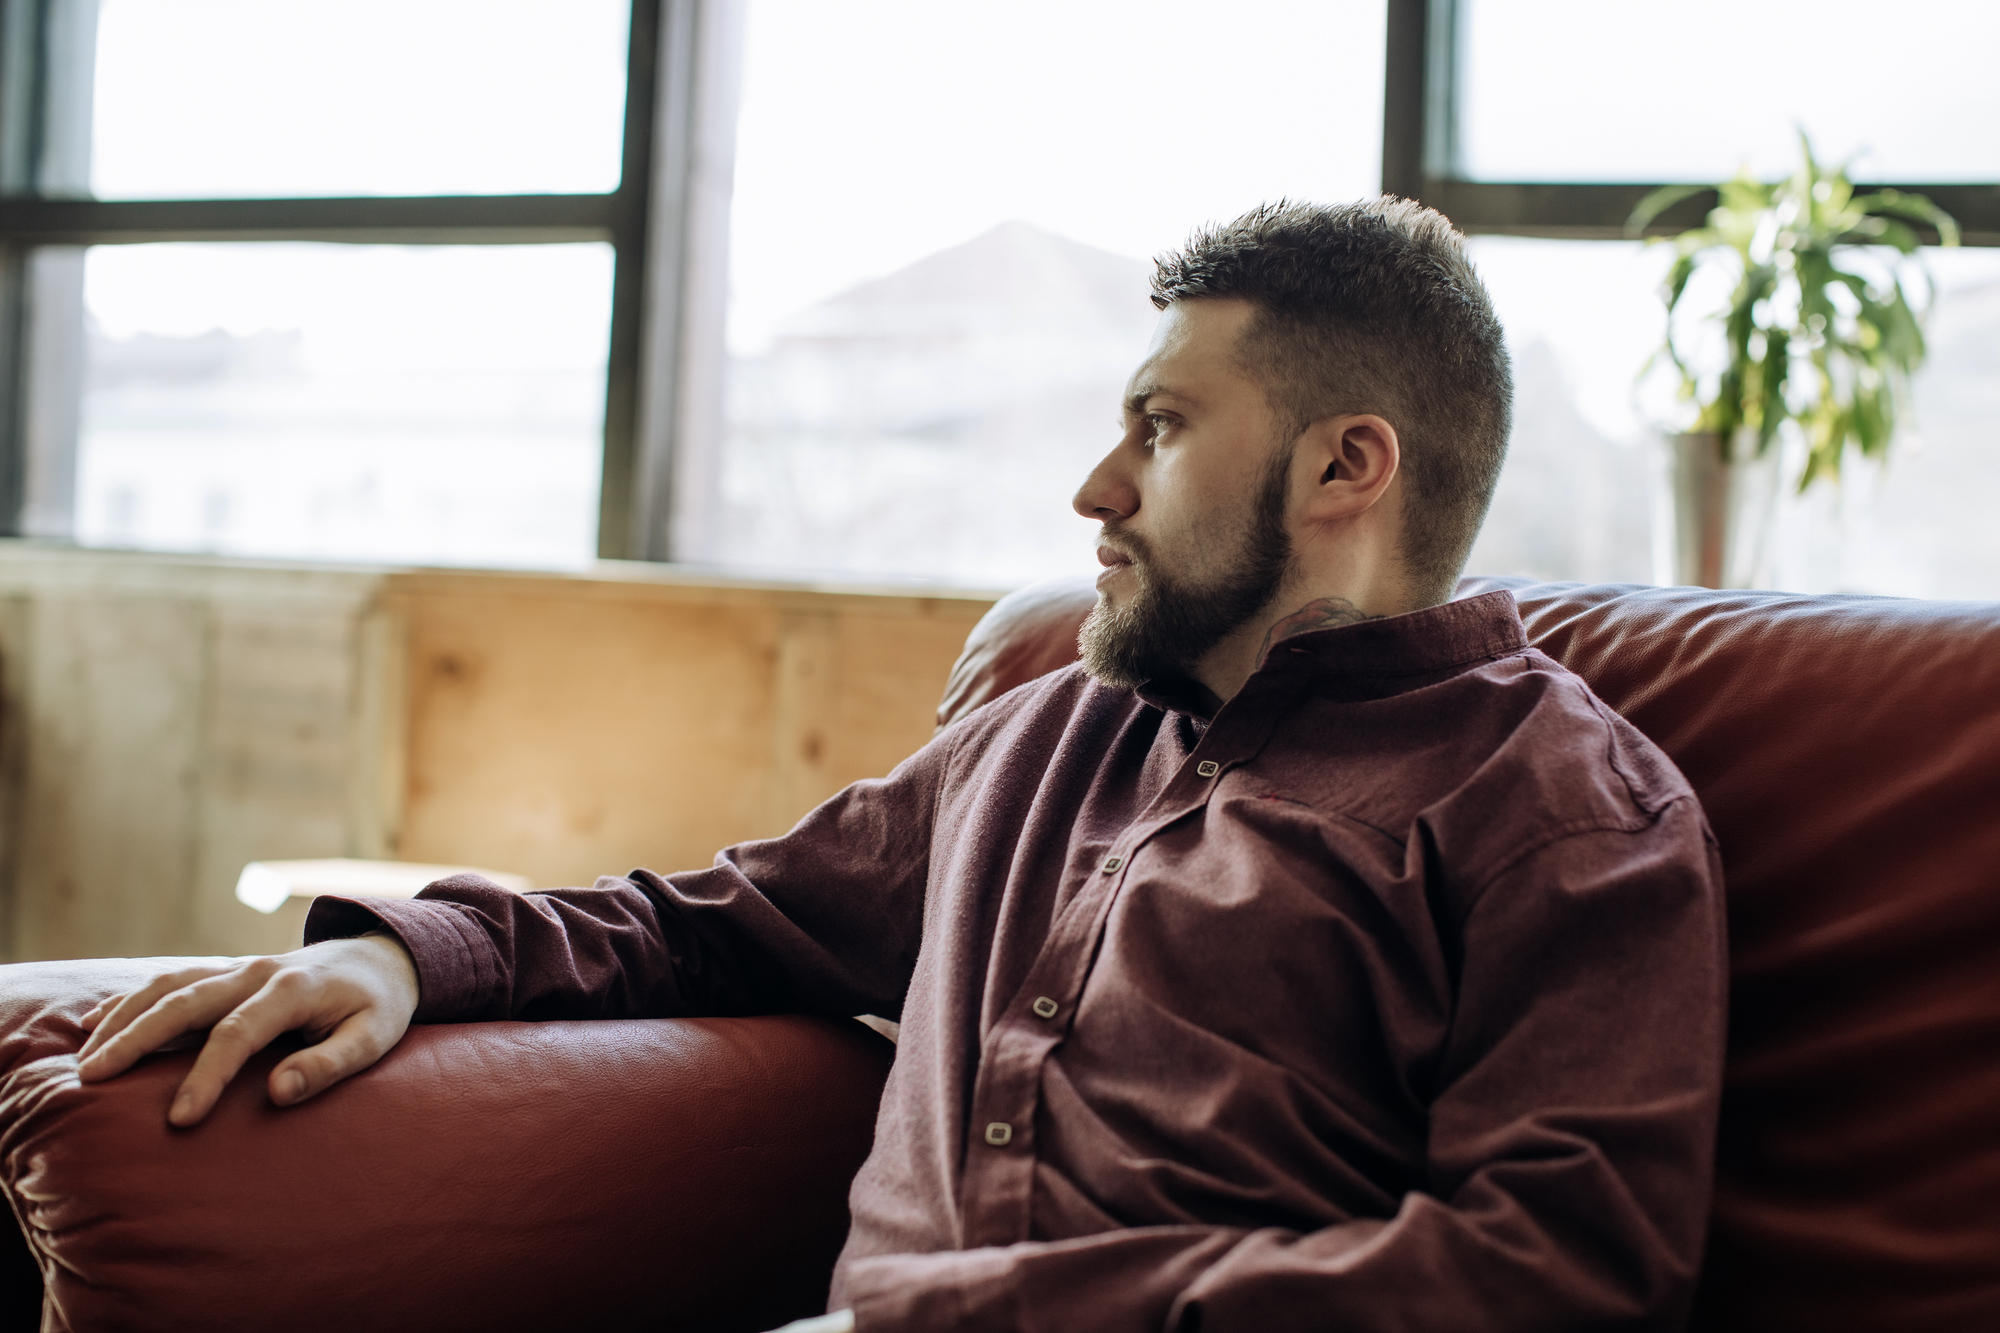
[1372,307]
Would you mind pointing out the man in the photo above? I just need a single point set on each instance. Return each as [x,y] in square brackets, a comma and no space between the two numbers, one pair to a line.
[1314,955]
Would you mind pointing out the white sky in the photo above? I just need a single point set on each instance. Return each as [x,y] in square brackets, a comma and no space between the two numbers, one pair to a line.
[220,98]
[363,97]
[1623,90]
[875,133]
[466,307]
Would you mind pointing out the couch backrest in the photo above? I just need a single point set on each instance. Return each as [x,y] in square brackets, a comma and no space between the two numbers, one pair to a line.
[1847,751]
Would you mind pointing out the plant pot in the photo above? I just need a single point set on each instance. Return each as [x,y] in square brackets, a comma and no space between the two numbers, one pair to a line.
[1724,507]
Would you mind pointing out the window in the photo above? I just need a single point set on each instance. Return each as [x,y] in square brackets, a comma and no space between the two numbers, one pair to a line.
[941,230]
[1536,125]
[1693,91]
[419,404]
[361,281]
[242,99]
[841,291]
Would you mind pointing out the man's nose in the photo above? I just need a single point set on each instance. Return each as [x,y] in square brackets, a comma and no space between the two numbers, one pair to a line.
[1106,493]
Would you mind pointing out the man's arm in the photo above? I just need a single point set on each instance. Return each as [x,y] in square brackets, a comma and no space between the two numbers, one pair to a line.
[1572,1125]
[826,919]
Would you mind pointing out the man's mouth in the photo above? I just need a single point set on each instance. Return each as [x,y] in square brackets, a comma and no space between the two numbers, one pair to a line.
[1114,561]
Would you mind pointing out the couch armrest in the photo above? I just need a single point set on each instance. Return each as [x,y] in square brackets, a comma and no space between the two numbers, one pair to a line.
[691,1173]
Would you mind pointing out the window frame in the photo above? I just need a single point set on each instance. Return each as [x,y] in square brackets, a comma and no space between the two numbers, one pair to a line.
[1420,158]
[641,219]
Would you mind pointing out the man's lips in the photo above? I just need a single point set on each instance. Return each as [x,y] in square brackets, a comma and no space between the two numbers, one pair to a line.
[1114,561]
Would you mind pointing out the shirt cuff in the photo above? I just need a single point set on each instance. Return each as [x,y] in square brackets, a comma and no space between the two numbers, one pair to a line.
[966,1291]
[452,984]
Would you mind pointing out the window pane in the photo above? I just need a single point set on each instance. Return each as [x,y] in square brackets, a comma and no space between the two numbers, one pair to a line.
[1580,90]
[411,404]
[273,98]
[1581,496]
[941,229]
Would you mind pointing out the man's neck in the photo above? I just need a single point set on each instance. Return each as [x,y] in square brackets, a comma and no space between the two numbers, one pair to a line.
[1231,662]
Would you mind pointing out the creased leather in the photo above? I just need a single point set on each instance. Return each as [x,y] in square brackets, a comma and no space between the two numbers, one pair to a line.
[689,1173]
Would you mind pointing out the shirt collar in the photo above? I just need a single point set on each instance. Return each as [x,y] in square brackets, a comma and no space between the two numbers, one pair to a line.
[1438,637]
[1372,658]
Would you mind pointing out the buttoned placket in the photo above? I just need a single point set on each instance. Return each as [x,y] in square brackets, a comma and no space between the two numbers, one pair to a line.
[997,1182]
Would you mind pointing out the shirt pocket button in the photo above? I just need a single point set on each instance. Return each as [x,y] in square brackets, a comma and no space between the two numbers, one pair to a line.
[999,1133]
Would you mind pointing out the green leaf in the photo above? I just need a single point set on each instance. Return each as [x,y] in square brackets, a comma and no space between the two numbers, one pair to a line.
[1805,338]
[1913,208]
[1658,202]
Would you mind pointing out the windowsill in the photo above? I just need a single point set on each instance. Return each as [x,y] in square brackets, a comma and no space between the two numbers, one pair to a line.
[626,573]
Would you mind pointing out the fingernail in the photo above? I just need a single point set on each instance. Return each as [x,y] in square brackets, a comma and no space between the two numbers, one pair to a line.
[291,1087]
[183,1108]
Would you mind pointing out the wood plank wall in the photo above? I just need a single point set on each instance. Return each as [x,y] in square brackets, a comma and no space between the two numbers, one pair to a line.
[163,720]
[564,729]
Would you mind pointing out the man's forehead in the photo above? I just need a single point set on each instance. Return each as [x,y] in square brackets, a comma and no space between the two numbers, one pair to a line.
[1193,352]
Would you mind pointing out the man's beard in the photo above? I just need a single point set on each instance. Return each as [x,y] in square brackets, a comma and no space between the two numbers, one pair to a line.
[1170,623]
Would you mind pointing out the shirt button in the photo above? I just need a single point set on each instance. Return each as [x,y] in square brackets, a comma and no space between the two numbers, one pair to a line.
[999,1133]
[1111,864]
[1044,1007]
[1208,768]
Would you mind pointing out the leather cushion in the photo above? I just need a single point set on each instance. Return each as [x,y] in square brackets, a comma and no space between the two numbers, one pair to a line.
[624,1174]
[1847,751]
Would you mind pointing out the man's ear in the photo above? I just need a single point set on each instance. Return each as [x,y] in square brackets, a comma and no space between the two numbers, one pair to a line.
[1354,458]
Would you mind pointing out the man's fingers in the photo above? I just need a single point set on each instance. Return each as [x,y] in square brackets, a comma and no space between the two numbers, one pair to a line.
[357,1043]
[361,992]
[150,1014]
[280,1006]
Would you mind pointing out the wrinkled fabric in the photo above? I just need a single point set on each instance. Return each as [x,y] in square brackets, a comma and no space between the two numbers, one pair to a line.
[1389,997]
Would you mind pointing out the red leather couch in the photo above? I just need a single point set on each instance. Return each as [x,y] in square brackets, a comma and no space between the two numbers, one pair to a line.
[692,1173]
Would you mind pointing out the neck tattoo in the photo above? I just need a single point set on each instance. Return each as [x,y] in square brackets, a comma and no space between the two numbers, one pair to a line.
[1325,613]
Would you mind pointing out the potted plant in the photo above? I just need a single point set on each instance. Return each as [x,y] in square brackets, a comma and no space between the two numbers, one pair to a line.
[1819,331]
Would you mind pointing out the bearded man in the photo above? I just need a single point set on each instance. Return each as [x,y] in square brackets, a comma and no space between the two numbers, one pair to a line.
[1315,954]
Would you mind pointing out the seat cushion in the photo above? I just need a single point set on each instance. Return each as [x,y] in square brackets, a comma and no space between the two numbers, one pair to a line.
[606,1175]
[1847,751]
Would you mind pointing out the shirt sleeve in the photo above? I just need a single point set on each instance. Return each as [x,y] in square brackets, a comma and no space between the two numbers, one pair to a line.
[826,919]
[1571,1145]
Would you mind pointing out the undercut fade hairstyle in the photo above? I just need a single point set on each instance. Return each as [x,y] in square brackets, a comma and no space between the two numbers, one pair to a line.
[1372,307]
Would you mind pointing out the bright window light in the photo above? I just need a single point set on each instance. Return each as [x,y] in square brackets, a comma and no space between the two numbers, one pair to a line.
[275,98]
[942,224]
[439,404]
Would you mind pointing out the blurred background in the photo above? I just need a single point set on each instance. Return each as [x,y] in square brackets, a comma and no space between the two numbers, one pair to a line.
[847,292]
[557,436]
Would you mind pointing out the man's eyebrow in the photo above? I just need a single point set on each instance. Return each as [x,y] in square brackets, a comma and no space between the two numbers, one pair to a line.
[1135,402]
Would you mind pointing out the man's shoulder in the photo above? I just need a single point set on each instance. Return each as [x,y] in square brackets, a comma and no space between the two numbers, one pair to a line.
[1511,752]
[1567,719]
[1558,763]
[1048,700]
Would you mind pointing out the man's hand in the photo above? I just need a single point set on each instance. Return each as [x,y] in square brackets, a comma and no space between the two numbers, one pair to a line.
[353,997]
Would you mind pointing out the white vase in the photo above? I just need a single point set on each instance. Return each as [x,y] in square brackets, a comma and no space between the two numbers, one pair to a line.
[1724,509]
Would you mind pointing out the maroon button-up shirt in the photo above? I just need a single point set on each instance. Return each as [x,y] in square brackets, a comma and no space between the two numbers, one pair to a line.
[1391,997]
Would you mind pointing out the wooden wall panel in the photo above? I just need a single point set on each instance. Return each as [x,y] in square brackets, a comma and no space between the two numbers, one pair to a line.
[165,719]
[107,849]
[562,733]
